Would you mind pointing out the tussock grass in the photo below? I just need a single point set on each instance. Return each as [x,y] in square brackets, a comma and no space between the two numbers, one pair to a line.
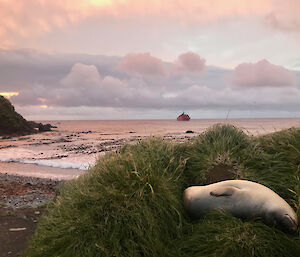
[280,166]
[284,145]
[130,203]
[271,160]
[223,146]
[220,234]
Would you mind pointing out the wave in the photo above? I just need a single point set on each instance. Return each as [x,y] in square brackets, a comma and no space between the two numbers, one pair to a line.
[50,163]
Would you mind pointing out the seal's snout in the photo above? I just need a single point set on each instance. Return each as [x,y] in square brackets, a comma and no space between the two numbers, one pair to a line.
[289,223]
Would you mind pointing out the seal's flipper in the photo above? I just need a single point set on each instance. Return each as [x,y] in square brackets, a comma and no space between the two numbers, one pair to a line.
[223,191]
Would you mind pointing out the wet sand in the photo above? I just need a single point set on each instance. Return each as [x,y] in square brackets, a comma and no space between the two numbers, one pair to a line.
[33,170]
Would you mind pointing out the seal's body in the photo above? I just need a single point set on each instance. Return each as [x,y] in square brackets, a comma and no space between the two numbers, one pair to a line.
[241,198]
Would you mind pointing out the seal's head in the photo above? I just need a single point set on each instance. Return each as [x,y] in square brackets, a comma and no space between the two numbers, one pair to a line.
[283,219]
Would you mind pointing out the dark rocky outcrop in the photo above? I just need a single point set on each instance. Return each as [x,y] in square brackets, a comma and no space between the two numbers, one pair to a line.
[189,132]
[46,127]
[11,122]
[40,126]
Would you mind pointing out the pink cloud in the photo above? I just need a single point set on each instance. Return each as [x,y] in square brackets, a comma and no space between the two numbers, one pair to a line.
[284,15]
[142,64]
[27,18]
[262,74]
[189,62]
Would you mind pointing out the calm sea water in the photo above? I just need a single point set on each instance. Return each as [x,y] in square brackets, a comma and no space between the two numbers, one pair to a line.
[77,144]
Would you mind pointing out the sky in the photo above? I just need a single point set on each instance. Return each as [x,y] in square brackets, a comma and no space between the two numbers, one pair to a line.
[150,59]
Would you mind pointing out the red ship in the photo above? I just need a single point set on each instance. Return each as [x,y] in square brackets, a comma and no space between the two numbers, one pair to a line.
[183,117]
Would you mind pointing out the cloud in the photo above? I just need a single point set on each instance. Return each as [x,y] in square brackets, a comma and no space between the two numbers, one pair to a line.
[84,82]
[31,18]
[189,62]
[82,74]
[262,74]
[85,86]
[284,15]
[142,64]
[22,69]
[248,99]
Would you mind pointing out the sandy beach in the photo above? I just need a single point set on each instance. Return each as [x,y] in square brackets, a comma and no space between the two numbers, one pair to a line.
[76,145]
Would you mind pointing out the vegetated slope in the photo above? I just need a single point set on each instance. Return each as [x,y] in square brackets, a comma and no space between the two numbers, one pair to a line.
[11,122]
[272,160]
[130,203]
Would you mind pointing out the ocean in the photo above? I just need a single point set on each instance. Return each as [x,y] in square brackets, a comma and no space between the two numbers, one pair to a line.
[71,148]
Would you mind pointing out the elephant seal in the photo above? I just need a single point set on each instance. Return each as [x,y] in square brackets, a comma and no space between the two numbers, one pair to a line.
[243,199]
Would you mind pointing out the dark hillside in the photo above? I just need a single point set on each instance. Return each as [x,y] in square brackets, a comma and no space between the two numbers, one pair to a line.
[11,122]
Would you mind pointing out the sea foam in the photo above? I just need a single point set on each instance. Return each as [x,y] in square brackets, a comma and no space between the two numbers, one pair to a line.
[50,163]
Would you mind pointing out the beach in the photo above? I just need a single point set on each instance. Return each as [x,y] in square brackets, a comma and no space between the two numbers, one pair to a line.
[74,146]
[70,149]
[32,166]
[21,199]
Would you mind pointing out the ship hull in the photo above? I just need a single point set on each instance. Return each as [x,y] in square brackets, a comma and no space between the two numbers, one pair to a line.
[183,118]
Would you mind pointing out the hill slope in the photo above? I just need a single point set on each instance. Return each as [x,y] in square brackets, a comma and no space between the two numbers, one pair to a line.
[11,122]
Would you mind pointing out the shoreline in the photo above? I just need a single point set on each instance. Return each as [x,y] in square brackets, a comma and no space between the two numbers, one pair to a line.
[38,171]
[86,143]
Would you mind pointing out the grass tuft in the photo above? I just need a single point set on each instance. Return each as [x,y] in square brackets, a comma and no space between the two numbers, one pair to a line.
[129,204]
[222,147]
[220,234]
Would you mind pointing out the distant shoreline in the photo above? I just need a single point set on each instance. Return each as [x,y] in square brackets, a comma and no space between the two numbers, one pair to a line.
[59,154]
[173,119]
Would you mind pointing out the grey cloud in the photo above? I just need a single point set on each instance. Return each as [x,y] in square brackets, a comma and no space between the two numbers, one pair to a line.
[86,82]
[22,68]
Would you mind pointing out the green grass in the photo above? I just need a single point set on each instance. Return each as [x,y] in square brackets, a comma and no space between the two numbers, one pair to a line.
[130,203]
[222,235]
[221,145]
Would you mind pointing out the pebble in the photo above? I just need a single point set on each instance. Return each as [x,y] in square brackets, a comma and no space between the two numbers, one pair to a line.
[16,229]
[33,198]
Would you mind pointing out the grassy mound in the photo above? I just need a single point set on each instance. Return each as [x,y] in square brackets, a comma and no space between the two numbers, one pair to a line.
[130,203]
[222,152]
[284,149]
[226,152]
[220,234]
